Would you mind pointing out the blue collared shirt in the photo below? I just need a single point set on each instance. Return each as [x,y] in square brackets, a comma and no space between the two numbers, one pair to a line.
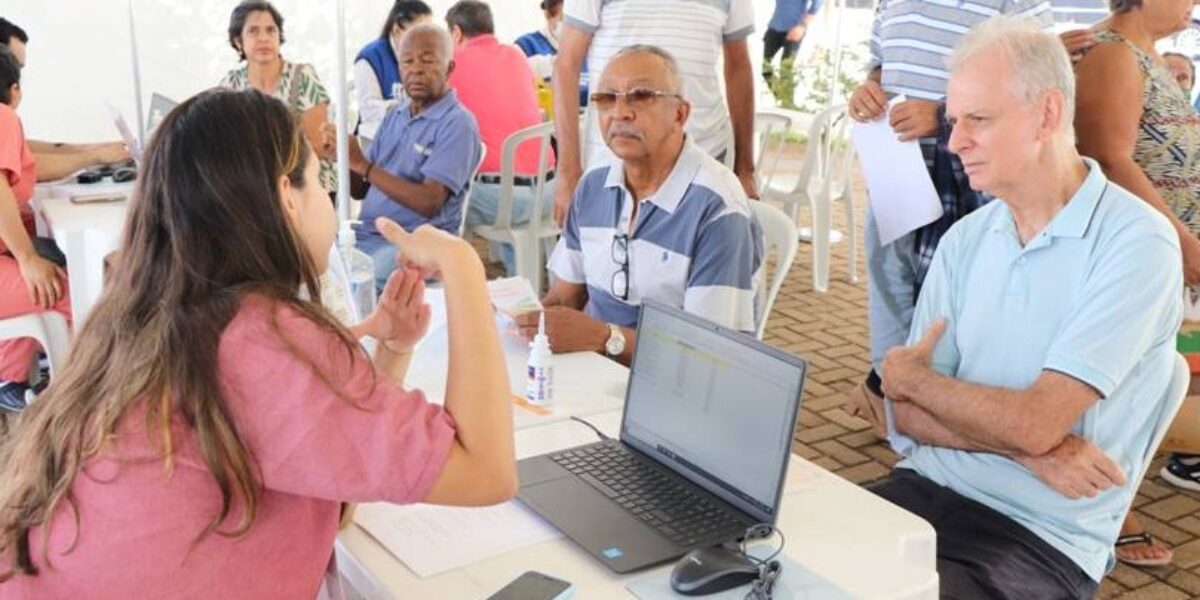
[1097,295]
[442,143]
[789,13]
[695,244]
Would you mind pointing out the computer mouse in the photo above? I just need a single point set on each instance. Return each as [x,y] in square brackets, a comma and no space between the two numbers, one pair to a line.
[711,570]
[123,174]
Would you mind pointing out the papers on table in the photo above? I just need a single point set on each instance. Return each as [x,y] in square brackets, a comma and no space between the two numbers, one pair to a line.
[435,539]
[902,195]
[513,296]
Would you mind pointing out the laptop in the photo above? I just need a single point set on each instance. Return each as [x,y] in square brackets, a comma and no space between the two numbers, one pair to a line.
[159,107]
[703,450]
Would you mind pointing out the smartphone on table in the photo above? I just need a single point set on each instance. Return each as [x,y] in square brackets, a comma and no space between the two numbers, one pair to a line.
[532,585]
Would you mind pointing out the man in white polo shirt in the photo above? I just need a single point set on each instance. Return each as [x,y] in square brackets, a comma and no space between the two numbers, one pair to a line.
[698,33]
[664,221]
[1043,342]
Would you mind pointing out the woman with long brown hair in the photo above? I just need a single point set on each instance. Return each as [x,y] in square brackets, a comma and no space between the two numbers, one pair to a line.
[211,417]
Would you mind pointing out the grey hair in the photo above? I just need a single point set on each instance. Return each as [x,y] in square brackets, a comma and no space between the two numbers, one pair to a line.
[1038,61]
[442,35]
[674,81]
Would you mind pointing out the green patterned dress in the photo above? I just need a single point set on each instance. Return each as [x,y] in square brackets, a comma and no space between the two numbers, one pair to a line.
[1168,139]
[299,89]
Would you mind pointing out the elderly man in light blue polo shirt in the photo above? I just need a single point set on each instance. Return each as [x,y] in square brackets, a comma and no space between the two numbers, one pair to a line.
[419,166]
[665,221]
[1042,343]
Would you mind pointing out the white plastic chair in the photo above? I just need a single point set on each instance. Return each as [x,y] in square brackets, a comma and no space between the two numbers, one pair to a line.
[1176,392]
[527,240]
[824,178]
[780,238]
[770,133]
[462,220]
[48,328]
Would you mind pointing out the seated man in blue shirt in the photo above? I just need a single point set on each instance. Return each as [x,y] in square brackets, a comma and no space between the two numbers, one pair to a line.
[664,221]
[1042,344]
[419,166]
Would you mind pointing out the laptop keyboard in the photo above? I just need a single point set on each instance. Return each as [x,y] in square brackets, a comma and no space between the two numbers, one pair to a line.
[671,507]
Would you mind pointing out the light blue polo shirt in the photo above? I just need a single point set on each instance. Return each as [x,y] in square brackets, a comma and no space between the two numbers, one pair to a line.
[441,143]
[695,245]
[1097,295]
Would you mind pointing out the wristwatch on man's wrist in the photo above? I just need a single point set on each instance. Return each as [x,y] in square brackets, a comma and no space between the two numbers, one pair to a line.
[616,341]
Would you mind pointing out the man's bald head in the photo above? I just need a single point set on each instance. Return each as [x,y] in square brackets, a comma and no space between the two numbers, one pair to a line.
[426,60]
[665,69]
[430,36]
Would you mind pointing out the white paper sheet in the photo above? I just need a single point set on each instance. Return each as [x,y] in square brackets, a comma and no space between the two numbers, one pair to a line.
[513,296]
[902,194]
[435,539]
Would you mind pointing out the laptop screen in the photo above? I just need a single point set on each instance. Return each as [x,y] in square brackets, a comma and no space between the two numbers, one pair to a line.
[716,406]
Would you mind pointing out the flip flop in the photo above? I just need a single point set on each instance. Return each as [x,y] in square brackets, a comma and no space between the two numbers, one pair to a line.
[1142,538]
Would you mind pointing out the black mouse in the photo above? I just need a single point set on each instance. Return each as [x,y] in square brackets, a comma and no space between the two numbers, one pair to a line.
[123,174]
[711,570]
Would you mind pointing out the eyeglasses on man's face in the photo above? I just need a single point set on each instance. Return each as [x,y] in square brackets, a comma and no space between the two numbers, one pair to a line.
[636,98]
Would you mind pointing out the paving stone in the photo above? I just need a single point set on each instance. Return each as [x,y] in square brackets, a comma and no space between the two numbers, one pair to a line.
[1187,555]
[1131,577]
[864,473]
[1155,591]
[1172,507]
[841,453]
[823,432]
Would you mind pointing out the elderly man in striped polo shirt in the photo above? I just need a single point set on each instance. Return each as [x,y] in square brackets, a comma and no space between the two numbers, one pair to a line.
[665,221]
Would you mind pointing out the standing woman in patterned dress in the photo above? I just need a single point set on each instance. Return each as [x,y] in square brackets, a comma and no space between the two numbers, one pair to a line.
[1133,118]
[256,33]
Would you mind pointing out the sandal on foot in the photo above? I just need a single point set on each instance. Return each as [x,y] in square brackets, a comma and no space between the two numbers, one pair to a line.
[1142,538]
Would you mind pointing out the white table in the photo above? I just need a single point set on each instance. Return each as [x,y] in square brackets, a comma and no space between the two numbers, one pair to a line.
[856,541]
[585,383]
[859,543]
[86,233]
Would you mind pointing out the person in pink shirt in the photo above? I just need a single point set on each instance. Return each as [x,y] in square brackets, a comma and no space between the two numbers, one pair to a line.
[495,82]
[28,282]
[212,417]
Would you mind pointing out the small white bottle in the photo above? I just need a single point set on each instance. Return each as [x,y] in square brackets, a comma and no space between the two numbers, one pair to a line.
[360,272]
[539,386]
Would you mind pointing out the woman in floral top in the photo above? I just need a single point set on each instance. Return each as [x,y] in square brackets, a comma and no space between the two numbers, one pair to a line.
[256,33]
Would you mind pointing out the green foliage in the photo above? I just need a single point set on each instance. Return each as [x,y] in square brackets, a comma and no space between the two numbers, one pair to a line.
[814,76]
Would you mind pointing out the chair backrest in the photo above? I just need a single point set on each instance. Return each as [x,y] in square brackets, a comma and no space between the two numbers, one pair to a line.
[770,129]
[542,132]
[462,219]
[779,238]
[1173,399]
[827,160]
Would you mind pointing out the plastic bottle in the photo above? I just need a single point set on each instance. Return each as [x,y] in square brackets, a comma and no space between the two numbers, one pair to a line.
[539,387]
[360,272]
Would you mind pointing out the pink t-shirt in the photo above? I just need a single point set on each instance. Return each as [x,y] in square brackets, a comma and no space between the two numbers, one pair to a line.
[495,83]
[138,520]
[17,163]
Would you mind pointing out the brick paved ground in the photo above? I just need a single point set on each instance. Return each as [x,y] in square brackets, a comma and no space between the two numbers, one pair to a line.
[830,330]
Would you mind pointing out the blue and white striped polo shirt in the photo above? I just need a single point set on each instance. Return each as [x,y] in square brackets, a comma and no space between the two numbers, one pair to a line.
[911,39]
[695,244]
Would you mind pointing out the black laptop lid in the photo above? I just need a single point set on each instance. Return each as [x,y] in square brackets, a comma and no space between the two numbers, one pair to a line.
[714,405]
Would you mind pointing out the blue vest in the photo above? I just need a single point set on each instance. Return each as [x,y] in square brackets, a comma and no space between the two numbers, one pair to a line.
[382,59]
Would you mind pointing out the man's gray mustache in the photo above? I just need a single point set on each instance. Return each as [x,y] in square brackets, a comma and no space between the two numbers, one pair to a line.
[624,130]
